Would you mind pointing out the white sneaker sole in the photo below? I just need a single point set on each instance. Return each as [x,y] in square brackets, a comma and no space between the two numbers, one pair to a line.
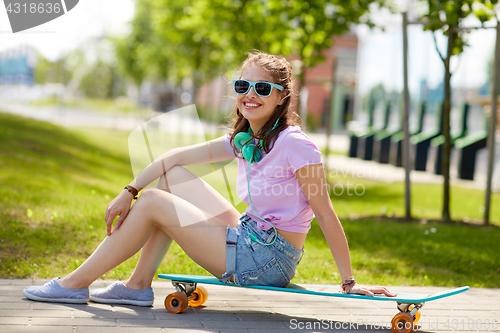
[121,301]
[56,300]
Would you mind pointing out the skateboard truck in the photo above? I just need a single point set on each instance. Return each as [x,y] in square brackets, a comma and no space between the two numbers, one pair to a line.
[184,287]
[188,294]
[403,306]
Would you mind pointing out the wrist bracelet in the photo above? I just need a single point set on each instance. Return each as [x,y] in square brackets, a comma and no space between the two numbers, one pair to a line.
[347,285]
[132,190]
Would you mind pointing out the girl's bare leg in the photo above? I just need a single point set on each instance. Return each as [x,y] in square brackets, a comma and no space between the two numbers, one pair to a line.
[150,259]
[115,249]
[158,244]
[156,213]
[152,253]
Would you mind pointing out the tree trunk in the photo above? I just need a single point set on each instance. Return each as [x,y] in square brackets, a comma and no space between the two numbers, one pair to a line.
[446,152]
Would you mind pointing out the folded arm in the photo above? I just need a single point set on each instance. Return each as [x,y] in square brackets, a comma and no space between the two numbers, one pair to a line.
[211,151]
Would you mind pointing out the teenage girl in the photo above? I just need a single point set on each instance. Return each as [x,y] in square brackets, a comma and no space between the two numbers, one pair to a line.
[280,176]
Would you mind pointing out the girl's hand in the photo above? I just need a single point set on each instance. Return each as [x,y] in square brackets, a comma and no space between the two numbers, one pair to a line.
[120,206]
[370,291]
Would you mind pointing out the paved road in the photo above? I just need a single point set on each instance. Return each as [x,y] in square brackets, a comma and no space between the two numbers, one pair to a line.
[244,310]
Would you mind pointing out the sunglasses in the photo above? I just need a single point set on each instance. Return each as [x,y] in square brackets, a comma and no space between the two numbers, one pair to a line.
[261,88]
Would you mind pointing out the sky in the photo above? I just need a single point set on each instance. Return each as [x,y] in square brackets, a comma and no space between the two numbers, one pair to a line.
[381,56]
[89,18]
[380,52]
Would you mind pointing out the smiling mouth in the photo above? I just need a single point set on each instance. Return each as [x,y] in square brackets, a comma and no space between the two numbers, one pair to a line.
[251,105]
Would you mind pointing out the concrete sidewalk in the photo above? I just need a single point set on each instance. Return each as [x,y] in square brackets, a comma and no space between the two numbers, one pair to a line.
[231,309]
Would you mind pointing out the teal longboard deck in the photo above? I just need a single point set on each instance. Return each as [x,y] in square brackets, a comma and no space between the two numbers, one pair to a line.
[189,293]
[320,290]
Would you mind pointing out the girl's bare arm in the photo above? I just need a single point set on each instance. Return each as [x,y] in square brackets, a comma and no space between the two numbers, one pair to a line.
[313,182]
[211,151]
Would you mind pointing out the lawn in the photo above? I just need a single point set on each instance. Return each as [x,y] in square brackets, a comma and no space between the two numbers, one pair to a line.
[55,185]
[120,105]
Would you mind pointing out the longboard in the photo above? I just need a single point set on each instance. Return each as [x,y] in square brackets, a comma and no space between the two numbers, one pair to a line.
[409,304]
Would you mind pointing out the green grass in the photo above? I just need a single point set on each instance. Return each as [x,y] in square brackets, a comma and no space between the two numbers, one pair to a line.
[55,185]
[121,105]
[387,199]
[332,151]
[398,253]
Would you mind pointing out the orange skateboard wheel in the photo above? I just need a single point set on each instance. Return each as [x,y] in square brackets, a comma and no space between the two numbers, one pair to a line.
[402,323]
[176,302]
[198,297]
[417,316]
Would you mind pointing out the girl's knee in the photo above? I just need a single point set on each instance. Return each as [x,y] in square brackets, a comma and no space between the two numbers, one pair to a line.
[178,175]
[154,203]
[175,172]
[146,195]
[151,196]
[173,176]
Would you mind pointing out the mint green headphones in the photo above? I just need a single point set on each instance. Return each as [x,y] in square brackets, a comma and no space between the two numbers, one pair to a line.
[243,141]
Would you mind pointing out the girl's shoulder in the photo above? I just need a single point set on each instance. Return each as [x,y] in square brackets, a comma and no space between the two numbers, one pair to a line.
[297,149]
[293,136]
[290,132]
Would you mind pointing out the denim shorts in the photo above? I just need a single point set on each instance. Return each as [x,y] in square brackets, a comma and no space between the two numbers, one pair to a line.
[251,263]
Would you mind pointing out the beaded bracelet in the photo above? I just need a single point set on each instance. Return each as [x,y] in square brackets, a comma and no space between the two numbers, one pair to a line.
[132,190]
[347,285]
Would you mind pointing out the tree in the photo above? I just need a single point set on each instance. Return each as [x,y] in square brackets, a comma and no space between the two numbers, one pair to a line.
[308,26]
[448,15]
[193,41]
[99,81]
[303,28]
[211,34]
[47,71]
[202,39]
[128,49]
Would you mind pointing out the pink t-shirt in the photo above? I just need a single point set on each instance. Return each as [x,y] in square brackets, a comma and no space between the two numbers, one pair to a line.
[275,191]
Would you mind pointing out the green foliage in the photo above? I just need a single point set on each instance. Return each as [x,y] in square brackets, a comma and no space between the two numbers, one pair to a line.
[131,51]
[101,81]
[305,28]
[201,39]
[378,93]
[447,15]
[47,71]
[96,78]
[313,122]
